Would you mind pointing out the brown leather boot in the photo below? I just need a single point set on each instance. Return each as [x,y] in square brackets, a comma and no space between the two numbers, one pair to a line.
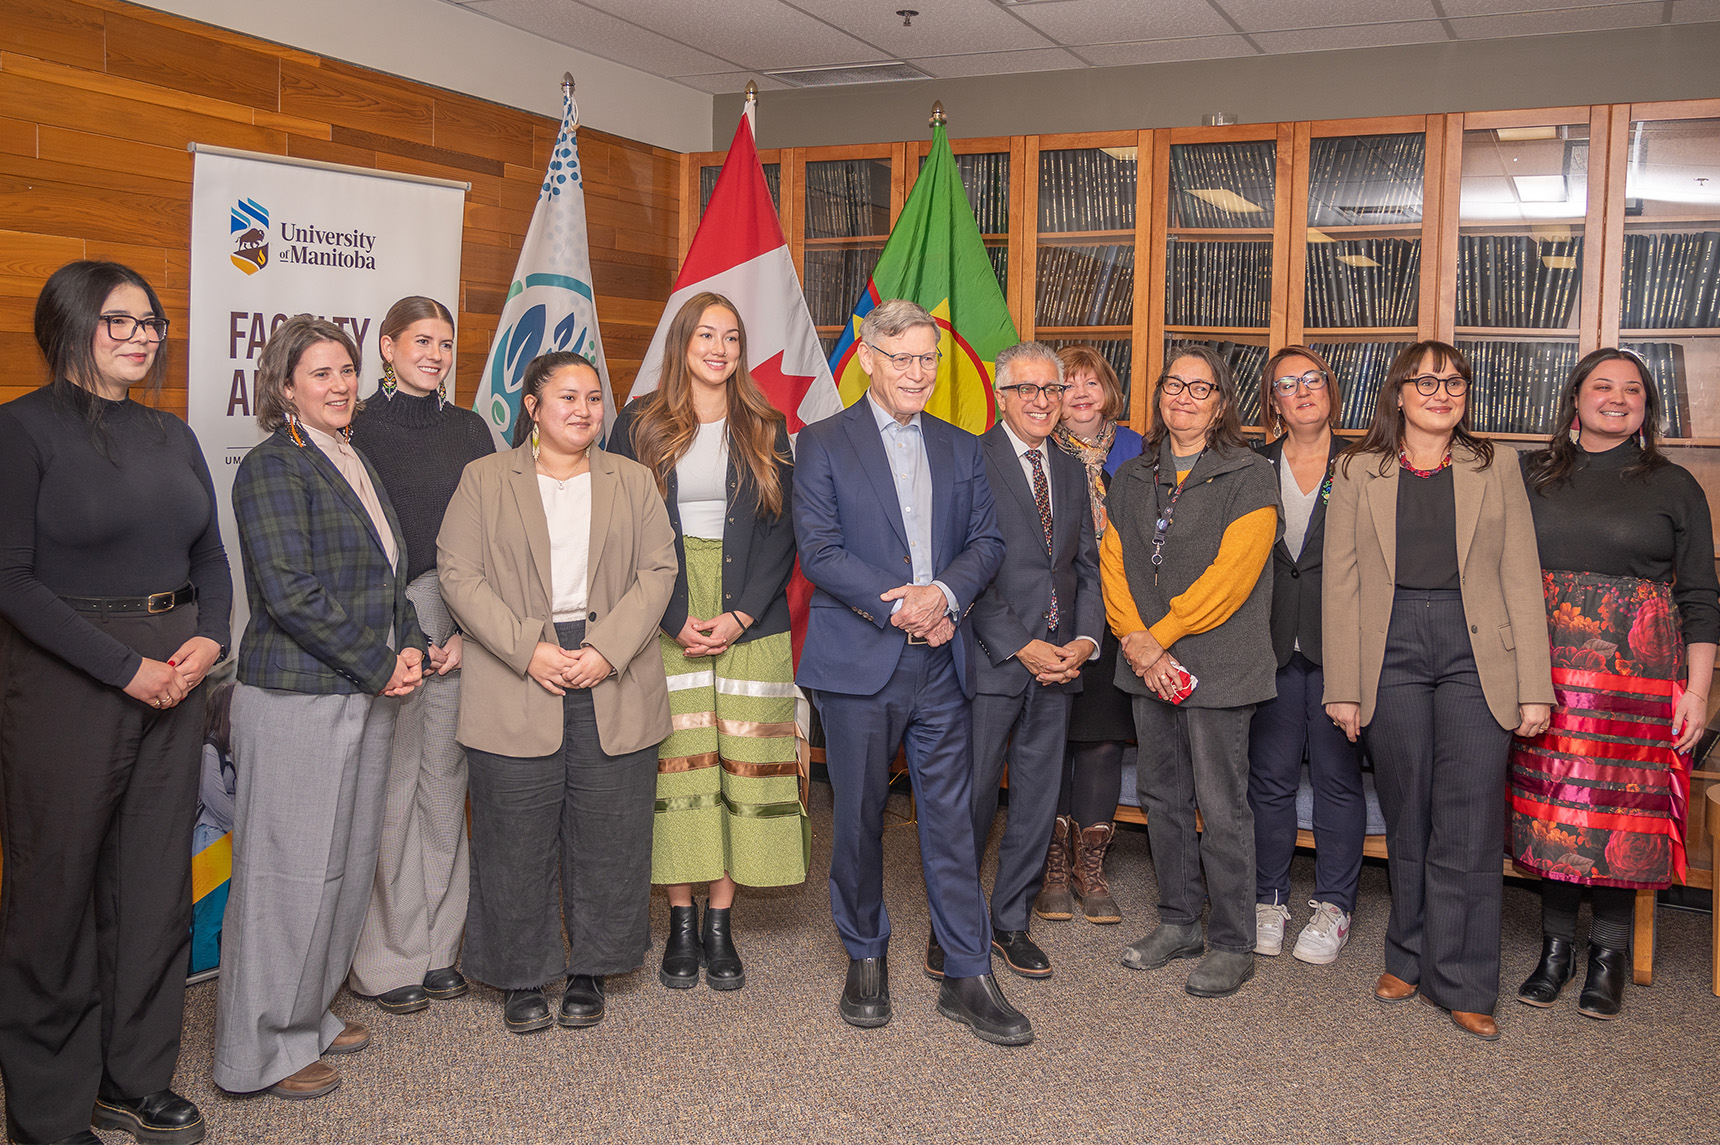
[1088,876]
[1054,901]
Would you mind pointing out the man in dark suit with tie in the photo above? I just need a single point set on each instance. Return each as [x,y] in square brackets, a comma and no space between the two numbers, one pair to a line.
[896,529]
[1037,624]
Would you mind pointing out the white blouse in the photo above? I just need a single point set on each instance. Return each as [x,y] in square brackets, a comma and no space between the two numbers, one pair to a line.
[567,505]
[701,482]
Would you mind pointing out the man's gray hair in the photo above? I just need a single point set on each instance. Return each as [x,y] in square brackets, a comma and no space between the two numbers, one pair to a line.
[893,318]
[1025,352]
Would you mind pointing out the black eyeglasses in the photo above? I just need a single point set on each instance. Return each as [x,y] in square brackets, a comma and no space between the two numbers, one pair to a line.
[123,327]
[1428,384]
[1311,381]
[904,362]
[1199,391]
[1028,391]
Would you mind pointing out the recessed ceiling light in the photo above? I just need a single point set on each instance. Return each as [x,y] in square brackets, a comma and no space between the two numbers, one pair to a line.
[1540,188]
[839,74]
[1511,134]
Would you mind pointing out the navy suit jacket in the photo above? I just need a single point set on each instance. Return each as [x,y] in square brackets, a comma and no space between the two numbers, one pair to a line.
[854,546]
[1017,606]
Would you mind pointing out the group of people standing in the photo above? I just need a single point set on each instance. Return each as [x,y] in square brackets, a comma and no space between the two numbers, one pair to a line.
[591,642]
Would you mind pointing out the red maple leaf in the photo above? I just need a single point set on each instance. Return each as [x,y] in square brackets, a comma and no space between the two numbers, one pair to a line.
[785,391]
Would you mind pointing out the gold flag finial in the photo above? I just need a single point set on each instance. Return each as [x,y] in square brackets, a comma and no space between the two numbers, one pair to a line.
[938,115]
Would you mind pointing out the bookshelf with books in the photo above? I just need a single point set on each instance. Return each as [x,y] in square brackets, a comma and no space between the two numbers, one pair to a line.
[991,175]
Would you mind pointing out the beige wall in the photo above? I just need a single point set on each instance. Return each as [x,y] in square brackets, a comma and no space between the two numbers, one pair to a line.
[1673,62]
[448,47]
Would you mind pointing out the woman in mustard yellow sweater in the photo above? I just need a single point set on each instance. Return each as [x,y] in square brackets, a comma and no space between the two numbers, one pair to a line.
[1193,522]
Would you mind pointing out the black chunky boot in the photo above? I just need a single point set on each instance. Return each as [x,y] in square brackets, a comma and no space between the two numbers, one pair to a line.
[1558,963]
[722,962]
[682,954]
[1603,988]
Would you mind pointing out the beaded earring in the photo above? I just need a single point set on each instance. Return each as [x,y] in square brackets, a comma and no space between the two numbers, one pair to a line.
[441,392]
[1576,431]
[292,428]
[534,443]
[390,383]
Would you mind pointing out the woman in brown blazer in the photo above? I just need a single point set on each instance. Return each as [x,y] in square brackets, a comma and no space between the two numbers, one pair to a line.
[557,560]
[1436,644]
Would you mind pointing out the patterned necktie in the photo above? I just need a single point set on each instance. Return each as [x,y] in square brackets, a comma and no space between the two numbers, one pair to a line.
[1042,499]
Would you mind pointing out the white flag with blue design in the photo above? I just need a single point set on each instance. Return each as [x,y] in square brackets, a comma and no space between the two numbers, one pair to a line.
[551,304]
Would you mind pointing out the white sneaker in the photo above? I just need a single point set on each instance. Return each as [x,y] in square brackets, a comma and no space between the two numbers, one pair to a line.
[1324,935]
[1269,920]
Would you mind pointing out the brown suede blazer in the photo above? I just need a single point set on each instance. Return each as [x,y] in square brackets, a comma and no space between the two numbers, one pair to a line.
[1497,560]
[493,563]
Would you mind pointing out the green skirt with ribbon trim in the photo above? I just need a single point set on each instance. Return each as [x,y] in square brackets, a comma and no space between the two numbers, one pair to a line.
[730,791]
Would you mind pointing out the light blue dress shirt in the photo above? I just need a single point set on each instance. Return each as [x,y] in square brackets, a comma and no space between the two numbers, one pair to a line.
[911,471]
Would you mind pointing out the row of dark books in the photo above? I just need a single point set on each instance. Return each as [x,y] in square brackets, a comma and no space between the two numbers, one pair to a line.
[1086,285]
[1363,282]
[1223,184]
[1119,353]
[1358,371]
[1671,281]
[1087,190]
[1245,362]
[1360,180]
[1517,281]
[1219,283]
[985,178]
[1517,384]
[834,280]
[708,185]
[847,198]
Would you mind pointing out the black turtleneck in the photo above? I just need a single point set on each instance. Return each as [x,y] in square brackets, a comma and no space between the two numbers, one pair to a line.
[419,451]
[122,506]
[1655,527]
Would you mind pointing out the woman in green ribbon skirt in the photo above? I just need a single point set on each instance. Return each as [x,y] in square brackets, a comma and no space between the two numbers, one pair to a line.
[731,806]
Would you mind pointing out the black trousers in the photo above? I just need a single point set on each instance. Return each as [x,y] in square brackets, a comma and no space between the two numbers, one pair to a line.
[98,795]
[1439,767]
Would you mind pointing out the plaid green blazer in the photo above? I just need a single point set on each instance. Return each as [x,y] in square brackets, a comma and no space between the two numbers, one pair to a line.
[322,594]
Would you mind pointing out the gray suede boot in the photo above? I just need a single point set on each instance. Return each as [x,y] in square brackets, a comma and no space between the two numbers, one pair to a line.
[1167,941]
[1220,974]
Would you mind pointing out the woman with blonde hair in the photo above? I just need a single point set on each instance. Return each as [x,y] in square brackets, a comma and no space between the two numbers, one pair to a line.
[730,808]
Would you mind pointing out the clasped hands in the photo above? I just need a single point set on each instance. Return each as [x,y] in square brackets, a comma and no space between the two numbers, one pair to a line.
[711,637]
[557,669]
[163,683]
[1149,660]
[1055,664]
[924,612]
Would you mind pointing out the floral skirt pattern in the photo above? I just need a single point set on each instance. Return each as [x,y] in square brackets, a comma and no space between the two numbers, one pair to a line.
[1600,797]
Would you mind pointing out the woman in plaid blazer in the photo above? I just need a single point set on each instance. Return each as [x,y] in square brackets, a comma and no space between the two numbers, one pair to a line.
[331,645]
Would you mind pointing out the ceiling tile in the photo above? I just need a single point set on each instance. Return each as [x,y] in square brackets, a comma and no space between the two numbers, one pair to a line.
[721,83]
[1513,7]
[752,33]
[1353,36]
[1106,22]
[998,63]
[601,34]
[1165,51]
[943,27]
[1568,20]
[1275,15]
[1693,11]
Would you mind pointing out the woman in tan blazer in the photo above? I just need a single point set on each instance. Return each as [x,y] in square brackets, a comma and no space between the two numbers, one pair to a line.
[557,560]
[1436,647]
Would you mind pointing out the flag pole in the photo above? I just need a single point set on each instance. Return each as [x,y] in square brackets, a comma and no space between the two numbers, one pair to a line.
[567,94]
[938,116]
[751,110]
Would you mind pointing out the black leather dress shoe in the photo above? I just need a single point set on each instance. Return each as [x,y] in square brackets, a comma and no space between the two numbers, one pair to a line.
[723,970]
[683,953]
[445,984]
[161,1118]
[1558,962]
[978,1004]
[525,1010]
[582,1005]
[1020,953]
[405,1000]
[866,996]
[1603,987]
[934,959]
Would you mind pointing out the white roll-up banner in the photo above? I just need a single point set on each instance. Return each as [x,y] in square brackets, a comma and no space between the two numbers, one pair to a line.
[271,238]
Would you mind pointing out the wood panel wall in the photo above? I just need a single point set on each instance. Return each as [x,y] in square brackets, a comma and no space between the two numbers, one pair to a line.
[99,98]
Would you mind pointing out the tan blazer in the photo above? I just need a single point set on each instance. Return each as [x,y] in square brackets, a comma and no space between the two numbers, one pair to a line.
[492,557]
[1498,565]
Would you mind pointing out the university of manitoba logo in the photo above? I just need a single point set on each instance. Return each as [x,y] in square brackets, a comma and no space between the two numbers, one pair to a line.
[250,231]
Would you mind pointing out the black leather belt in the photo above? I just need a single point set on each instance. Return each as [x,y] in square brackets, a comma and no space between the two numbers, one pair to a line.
[155,602]
[912,639]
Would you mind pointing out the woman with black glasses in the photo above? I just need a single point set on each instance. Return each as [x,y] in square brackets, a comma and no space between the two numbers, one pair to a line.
[1435,642]
[1296,393]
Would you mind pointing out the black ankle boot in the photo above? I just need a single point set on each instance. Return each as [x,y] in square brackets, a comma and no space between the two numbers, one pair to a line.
[1558,963]
[1603,989]
[682,954]
[722,962]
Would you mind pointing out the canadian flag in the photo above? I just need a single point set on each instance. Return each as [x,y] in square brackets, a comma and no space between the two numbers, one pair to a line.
[740,253]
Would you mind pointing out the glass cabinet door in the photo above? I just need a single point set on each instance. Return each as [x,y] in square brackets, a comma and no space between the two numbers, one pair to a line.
[847,221]
[1085,256]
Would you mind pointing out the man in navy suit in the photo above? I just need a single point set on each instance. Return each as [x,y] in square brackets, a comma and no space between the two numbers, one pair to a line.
[1037,624]
[896,530]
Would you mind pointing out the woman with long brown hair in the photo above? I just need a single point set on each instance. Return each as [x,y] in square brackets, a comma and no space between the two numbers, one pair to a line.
[1435,644]
[1598,800]
[420,443]
[729,803]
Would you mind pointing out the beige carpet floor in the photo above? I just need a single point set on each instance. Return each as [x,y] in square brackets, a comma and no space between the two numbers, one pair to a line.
[1303,1054]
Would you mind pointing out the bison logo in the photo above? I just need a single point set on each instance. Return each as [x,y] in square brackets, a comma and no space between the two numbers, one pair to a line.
[250,230]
